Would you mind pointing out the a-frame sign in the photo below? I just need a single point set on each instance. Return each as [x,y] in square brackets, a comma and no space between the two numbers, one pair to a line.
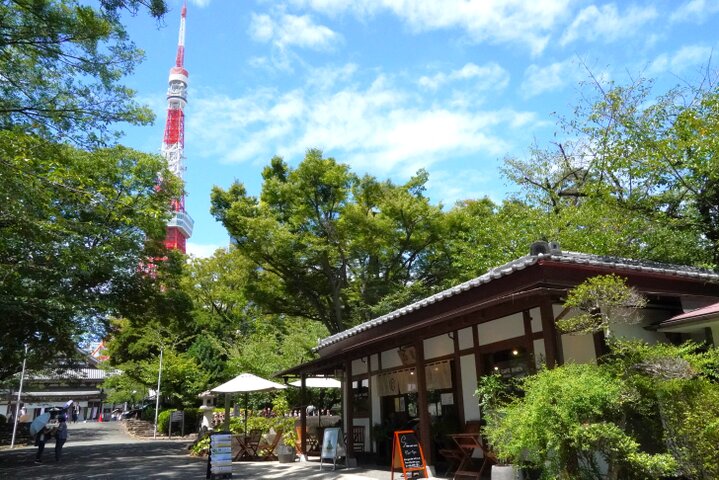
[407,454]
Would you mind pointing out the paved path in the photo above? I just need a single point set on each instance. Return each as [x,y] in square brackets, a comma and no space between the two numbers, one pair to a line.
[104,451]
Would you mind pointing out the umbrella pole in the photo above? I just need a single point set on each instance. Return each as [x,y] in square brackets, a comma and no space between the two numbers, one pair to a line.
[227,412]
[246,400]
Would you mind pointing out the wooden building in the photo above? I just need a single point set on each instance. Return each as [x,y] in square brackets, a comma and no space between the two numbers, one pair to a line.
[418,366]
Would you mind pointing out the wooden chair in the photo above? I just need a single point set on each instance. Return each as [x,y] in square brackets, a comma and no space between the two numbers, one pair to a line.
[267,451]
[468,442]
[253,443]
[313,444]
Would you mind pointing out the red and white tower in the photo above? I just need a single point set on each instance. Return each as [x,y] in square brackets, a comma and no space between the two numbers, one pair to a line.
[179,228]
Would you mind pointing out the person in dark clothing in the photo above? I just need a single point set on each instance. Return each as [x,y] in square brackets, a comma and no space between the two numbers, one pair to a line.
[60,437]
[40,440]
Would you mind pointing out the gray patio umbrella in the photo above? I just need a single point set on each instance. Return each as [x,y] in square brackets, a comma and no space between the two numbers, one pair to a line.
[244,383]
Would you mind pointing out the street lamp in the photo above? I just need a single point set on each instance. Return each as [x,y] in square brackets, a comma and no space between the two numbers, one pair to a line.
[19,393]
[157,395]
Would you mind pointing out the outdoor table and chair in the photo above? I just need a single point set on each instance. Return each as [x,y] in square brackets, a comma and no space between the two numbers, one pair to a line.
[467,443]
[248,445]
[266,450]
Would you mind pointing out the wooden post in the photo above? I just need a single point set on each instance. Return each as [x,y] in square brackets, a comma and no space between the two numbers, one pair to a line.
[424,422]
[303,416]
[549,330]
[349,414]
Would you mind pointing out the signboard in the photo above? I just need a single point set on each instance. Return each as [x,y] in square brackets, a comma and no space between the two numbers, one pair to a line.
[333,446]
[407,453]
[176,416]
[219,462]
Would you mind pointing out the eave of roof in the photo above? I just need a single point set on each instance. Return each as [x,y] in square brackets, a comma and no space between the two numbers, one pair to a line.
[613,263]
[705,313]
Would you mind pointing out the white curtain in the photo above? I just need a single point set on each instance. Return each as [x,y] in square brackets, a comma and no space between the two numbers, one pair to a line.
[437,374]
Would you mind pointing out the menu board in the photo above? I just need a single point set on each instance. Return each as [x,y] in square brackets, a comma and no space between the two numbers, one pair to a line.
[219,463]
[333,446]
[407,453]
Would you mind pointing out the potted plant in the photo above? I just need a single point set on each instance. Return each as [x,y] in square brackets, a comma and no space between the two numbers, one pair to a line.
[286,452]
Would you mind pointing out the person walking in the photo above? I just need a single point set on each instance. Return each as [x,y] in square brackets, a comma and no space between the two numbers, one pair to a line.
[40,439]
[60,437]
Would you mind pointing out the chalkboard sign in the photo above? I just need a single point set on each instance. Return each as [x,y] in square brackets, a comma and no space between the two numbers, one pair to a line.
[333,446]
[407,453]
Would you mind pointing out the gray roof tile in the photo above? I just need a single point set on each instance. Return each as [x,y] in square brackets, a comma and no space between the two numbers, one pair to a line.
[521,263]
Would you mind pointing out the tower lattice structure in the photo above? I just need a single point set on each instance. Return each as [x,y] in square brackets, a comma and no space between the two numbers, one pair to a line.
[179,228]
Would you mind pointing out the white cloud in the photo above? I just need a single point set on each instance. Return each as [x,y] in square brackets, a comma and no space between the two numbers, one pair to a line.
[607,24]
[377,127]
[695,11]
[495,21]
[683,59]
[292,30]
[541,79]
[200,3]
[202,250]
[453,186]
[489,76]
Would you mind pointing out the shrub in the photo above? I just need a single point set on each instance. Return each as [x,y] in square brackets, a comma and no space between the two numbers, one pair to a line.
[201,447]
[567,417]
[3,420]
[163,421]
[192,419]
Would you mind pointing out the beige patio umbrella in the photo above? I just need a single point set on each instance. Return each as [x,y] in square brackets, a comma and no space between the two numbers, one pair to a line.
[318,382]
[244,383]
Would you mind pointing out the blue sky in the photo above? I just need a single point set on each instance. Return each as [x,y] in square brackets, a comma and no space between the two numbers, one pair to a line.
[391,86]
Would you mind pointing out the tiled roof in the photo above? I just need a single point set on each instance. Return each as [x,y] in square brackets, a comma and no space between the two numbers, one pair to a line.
[68,394]
[614,263]
[74,374]
[709,310]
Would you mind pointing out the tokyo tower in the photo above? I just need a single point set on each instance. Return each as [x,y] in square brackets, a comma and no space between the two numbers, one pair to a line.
[179,228]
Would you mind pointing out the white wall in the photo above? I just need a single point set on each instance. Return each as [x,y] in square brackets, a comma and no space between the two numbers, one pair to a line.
[469,385]
[466,339]
[359,366]
[536,315]
[390,359]
[501,329]
[637,330]
[578,349]
[540,353]
[438,346]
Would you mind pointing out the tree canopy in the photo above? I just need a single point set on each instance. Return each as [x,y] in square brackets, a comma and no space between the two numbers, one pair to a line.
[328,245]
[62,62]
[74,226]
[638,178]
[78,215]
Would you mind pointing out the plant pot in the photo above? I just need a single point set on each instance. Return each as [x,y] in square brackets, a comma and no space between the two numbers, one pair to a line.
[506,472]
[285,453]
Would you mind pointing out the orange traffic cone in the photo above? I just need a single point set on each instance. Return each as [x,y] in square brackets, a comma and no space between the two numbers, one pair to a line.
[99,419]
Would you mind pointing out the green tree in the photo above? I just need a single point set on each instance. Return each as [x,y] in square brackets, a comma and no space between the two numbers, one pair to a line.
[640,177]
[61,64]
[602,301]
[486,234]
[328,245]
[74,226]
